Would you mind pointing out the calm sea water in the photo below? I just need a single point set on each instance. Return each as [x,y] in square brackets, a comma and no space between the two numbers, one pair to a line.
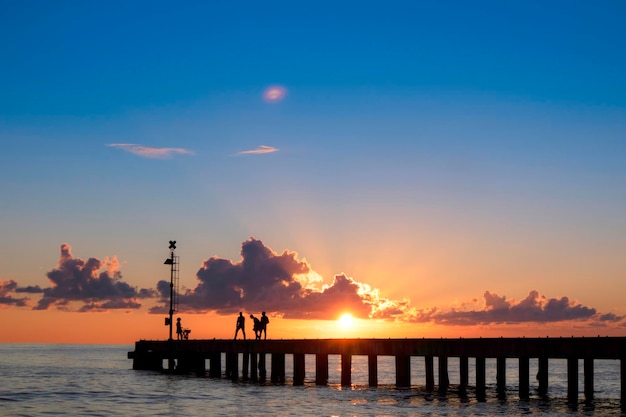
[98,380]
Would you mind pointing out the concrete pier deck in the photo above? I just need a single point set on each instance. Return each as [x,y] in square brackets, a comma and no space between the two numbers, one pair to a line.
[192,355]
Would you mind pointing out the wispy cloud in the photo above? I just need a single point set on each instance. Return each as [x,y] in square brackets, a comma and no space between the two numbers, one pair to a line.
[151,152]
[260,150]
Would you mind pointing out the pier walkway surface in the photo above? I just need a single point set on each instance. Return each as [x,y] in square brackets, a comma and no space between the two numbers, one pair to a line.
[191,355]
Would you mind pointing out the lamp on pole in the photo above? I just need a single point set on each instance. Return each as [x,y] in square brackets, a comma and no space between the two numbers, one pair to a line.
[171,261]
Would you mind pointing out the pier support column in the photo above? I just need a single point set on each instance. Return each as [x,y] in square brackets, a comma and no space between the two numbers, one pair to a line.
[321,369]
[572,380]
[147,361]
[245,366]
[190,363]
[262,368]
[480,379]
[346,369]
[463,374]
[542,375]
[228,364]
[403,371]
[622,377]
[430,373]
[588,366]
[278,368]
[444,380]
[524,379]
[215,365]
[254,363]
[372,370]
[232,366]
[298,369]
[144,358]
[501,376]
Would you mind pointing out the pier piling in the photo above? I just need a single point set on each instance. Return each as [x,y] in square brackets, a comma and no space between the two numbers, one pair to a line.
[430,372]
[346,370]
[403,371]
[372,369]
[463,373]
[298,368]
[572,380]
[542,375]
[501,376]
[481,394]
[444,381]
[524,379]
[278,368]
[588,375]
[321,369]
[190,356]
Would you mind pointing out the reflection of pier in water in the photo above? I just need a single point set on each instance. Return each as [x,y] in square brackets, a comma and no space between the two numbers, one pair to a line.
[191,356]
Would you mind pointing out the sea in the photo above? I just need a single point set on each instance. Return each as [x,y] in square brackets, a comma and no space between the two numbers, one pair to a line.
[98,380]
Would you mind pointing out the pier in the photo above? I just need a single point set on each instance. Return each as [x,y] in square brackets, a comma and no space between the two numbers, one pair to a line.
[186,356]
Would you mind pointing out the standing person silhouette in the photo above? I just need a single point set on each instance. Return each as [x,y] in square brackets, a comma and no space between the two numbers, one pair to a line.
[264,322]
[257,327]
[179,329]
[241,324]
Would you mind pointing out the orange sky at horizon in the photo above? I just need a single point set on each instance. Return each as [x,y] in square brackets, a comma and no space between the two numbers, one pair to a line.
[117,327]
[50,313]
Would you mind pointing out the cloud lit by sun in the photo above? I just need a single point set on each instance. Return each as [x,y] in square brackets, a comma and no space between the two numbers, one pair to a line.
[274,93]
[346,321]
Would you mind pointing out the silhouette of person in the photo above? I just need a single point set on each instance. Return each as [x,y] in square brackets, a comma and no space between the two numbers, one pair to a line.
[264,322]
[257,327]
[179,329]
[241,324]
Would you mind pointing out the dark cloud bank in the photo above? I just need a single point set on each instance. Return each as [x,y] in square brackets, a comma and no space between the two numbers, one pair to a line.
[281,284]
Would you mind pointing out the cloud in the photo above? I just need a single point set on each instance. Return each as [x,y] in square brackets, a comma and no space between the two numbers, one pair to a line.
[30,289]
[7,288]
[97,284]
[534,308]
[151,152]
[265,280]
[260,150]
[287,286]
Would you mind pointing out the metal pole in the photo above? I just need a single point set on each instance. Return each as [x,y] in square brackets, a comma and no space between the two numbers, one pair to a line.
[171,262]
[171,293]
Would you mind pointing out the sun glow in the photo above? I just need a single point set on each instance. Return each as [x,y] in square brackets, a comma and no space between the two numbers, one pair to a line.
[346,321]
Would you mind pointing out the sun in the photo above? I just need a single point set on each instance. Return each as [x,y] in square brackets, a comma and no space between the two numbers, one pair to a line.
[345,321]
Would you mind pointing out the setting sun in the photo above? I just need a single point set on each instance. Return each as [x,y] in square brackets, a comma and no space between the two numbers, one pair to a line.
[345,321]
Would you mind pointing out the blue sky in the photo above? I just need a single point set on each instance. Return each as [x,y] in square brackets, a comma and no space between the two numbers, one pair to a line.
[447,143]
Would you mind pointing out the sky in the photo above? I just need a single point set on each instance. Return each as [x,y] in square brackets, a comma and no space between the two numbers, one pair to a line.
[431,168]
